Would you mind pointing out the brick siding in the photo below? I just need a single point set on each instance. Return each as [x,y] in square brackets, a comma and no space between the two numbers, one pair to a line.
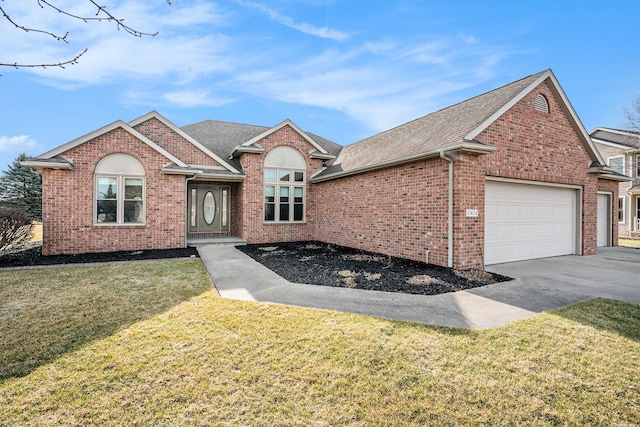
[173,143]
[67,204]
[400,211]
[251,225]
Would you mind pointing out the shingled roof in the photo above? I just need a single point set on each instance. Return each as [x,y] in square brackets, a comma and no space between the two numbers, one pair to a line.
[222,138]
[626,138]
[446,129]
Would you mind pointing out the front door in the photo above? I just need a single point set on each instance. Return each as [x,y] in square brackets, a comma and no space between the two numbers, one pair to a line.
[208,208]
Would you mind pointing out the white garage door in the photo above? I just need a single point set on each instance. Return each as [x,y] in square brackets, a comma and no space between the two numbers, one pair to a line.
[525,221]
[603,219]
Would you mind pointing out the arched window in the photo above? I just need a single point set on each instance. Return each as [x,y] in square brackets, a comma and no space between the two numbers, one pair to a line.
[284,185]
[119,196]
[540,103]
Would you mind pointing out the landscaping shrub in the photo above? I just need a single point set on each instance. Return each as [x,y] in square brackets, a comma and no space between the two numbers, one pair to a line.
[15,227]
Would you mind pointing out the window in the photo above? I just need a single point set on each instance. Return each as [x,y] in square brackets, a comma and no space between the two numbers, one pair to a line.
[119,191]
[284,186]
[540,103]
[617,164]
[637,166]
[621,209]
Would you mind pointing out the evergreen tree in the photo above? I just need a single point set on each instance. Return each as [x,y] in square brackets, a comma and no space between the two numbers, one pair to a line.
[22,189]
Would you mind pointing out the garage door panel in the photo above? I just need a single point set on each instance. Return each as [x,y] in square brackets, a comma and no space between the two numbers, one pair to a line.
[525,221]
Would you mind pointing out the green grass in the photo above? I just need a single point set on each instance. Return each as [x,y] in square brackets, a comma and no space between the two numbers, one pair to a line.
[629,243]
[196,359]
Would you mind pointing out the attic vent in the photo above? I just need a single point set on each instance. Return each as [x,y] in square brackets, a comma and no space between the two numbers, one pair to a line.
[541,103]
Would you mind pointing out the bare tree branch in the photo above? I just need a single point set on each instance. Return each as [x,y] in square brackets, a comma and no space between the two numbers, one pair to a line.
[58,64]
[102,14]
[633,114]
[101,10]
[26,29]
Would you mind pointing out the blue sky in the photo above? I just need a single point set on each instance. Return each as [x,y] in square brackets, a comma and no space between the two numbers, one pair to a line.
[343,69]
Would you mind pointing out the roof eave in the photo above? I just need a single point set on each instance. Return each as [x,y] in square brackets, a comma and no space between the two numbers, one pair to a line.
[279,126]
[199,173]
[615,177]
[183,134]
[468,147]
[322,156]
[40,164]
[241,149]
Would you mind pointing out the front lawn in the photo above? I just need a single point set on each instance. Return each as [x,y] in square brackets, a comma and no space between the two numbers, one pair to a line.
[151,344]
[629,243]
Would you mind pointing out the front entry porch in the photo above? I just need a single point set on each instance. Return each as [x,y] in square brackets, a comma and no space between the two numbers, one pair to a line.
[221,241]
[209,214]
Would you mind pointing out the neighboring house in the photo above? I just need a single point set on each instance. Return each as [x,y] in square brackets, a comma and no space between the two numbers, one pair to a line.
[621,150]
[508,175]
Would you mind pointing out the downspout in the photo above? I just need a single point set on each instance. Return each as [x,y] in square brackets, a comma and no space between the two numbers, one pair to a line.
[450,217]
[186,207]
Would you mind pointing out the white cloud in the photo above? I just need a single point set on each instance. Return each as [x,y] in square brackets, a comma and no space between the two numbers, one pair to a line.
[322,32]
[18,144]
[380,85]
[181,51]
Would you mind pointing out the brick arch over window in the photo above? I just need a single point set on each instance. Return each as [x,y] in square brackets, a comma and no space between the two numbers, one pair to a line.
[284,185]
[119,195]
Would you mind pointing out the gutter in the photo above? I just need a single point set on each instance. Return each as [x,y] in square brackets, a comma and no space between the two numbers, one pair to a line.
[450,213]
[463,147]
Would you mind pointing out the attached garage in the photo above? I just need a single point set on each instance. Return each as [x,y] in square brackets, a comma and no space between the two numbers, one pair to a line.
[526,221]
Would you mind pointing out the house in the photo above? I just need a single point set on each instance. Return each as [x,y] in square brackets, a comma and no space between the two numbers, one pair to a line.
[621,151]
[508,175]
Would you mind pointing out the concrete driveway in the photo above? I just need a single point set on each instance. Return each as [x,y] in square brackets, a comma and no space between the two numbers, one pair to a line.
[539,285]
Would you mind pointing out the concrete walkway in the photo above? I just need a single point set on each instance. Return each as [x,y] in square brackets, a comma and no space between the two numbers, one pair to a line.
[540,285]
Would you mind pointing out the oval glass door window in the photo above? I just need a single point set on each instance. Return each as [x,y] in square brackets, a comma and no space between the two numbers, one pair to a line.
[209,208]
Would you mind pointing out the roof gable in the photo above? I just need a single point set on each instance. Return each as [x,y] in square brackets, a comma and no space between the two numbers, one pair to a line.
[186,136]
[552,82]
[279,126]
[106,129]
[452,128]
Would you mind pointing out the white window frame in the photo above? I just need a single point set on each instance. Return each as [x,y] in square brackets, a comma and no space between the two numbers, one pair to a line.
[624,169]
[623,208]
[120,193]
[277,184]
[637,166]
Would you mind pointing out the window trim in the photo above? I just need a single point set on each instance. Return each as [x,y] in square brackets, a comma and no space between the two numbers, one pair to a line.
[622,209]
[120,199]
[277,184]
[624,168]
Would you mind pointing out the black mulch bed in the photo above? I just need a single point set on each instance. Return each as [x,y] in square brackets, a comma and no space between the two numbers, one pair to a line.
[31,254]
[319,263]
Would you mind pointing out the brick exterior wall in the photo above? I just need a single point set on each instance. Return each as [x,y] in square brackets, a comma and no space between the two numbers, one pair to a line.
[67,205]
[173,143]
[402,211]
[398,211]
[251,226]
